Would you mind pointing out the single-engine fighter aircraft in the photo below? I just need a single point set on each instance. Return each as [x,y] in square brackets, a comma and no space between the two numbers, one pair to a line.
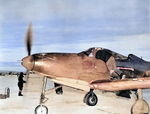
[95,68]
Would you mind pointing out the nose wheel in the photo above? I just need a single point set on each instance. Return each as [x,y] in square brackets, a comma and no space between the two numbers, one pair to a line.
[90,98]
[41,109]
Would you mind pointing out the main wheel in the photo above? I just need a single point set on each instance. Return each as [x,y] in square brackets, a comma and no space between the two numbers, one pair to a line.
[90,99]
[41,109]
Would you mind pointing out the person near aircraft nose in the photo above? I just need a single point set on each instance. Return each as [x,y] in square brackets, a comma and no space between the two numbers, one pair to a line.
[20,83]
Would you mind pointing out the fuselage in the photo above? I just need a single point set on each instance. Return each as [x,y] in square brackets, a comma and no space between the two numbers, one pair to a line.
[132,66]
[139,66]
[67,68]
[79,69]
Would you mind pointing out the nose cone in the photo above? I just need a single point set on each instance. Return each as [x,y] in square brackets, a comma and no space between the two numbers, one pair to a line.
[28,62]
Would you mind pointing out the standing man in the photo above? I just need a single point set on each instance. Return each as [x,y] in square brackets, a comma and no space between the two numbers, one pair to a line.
[20,83]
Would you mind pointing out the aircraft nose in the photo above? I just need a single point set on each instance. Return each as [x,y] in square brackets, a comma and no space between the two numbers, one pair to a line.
[28,62]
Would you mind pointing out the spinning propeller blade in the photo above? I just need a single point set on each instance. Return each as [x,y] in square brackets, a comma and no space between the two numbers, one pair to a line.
[29,38]
[28,41]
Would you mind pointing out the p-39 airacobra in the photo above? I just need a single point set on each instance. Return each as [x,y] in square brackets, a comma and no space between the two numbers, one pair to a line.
[95,68]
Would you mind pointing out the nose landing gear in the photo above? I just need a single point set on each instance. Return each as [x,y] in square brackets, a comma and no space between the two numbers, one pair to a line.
[42,109]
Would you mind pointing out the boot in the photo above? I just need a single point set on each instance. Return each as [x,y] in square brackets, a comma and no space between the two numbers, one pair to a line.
[19,94]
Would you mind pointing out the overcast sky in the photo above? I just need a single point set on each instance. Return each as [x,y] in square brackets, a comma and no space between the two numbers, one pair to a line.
[73,26]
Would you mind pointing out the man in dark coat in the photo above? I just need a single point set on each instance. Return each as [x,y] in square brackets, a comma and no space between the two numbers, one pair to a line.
[20,83]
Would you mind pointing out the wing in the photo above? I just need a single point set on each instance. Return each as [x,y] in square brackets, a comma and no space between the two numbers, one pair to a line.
[124,84]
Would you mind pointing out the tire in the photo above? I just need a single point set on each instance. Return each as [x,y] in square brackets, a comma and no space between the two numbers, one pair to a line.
[84,100]
[90,99]
[41,109]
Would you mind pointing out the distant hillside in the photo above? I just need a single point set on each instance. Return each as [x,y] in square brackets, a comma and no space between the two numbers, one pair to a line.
[5,72]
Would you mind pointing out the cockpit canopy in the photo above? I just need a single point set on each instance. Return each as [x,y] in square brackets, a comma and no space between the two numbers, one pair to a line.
[91,52]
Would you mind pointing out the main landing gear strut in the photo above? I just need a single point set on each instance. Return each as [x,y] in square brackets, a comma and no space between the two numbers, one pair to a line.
[42,109]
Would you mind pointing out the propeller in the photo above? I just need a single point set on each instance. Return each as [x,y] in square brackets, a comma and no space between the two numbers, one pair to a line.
[28,42]
[29,38]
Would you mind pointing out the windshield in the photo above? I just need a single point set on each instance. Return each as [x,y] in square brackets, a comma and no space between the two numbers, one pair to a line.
[89,51]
